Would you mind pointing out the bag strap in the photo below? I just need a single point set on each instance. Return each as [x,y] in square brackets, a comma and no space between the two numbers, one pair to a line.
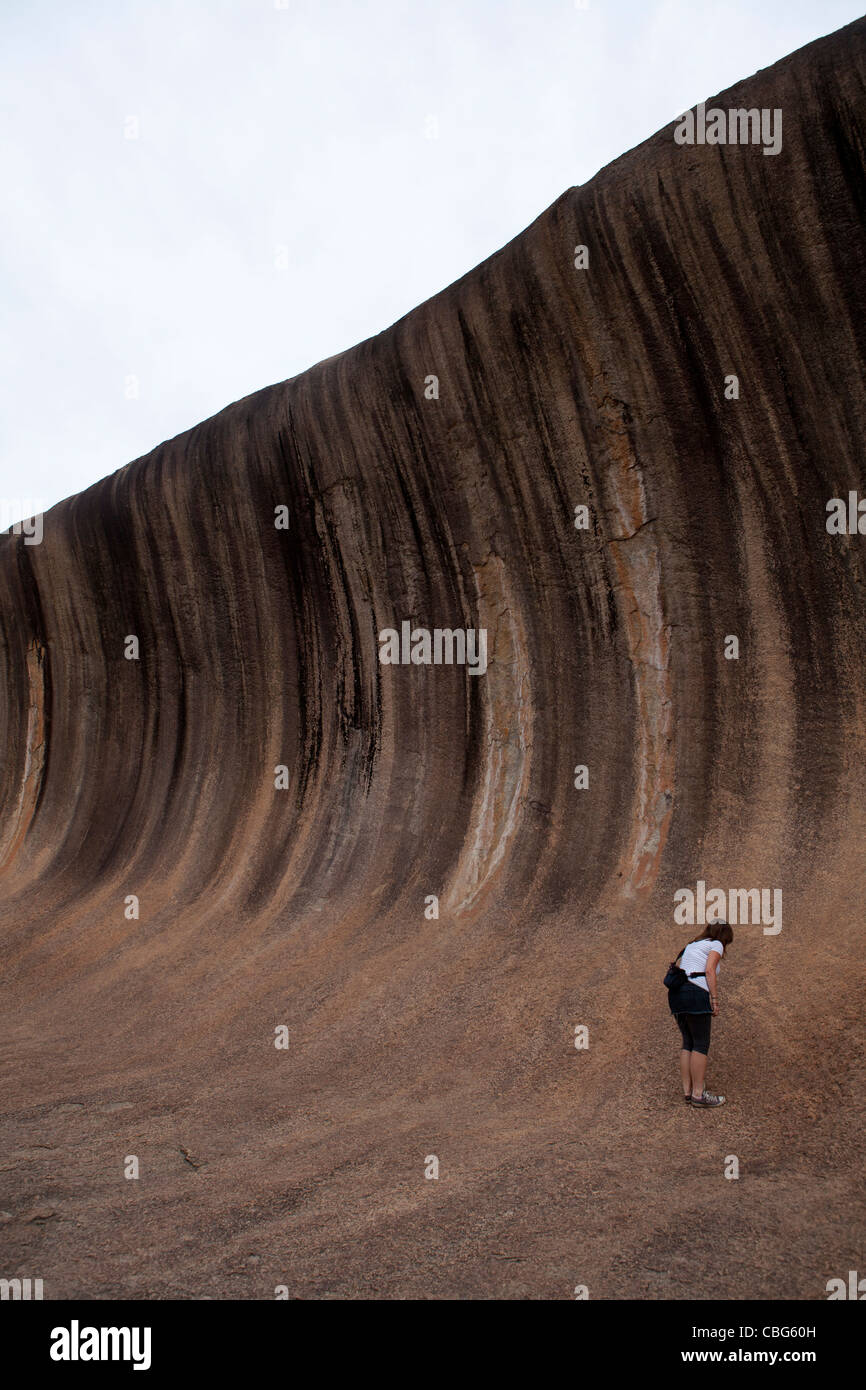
[692,974]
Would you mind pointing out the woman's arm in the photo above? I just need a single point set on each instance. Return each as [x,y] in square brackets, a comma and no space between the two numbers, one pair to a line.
[712,984]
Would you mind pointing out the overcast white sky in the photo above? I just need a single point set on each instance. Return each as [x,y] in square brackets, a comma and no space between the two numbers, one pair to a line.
[304,172]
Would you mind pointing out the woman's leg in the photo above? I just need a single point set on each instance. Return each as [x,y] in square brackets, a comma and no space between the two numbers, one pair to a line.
[685,1071]
[686,1053]
[699,1073]
[700,1027]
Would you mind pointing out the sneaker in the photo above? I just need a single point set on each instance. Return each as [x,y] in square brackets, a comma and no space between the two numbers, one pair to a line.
[708,1099]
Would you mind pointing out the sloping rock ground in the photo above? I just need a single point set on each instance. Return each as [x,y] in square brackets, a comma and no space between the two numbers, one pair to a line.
[305,907]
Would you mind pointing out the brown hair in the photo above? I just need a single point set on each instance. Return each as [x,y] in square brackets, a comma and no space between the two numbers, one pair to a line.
[718,931]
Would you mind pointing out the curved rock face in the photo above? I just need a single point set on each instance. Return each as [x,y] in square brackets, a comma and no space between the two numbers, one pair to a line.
[435,476]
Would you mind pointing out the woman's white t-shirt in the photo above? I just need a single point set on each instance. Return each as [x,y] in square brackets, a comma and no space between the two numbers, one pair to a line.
[695,957]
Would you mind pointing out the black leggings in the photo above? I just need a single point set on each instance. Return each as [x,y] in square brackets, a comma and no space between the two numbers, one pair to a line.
[695,1029]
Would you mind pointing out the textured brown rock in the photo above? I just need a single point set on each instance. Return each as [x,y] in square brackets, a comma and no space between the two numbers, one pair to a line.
[410,1037]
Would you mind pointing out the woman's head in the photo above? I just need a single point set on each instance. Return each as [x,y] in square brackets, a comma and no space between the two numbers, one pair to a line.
[718,931]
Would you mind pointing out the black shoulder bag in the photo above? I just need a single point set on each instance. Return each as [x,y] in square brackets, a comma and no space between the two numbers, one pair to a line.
[676,976]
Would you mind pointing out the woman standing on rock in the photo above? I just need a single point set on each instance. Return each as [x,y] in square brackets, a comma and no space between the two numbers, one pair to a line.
[693,1002]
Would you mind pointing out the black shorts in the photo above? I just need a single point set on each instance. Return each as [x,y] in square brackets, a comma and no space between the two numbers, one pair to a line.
[695,1029]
